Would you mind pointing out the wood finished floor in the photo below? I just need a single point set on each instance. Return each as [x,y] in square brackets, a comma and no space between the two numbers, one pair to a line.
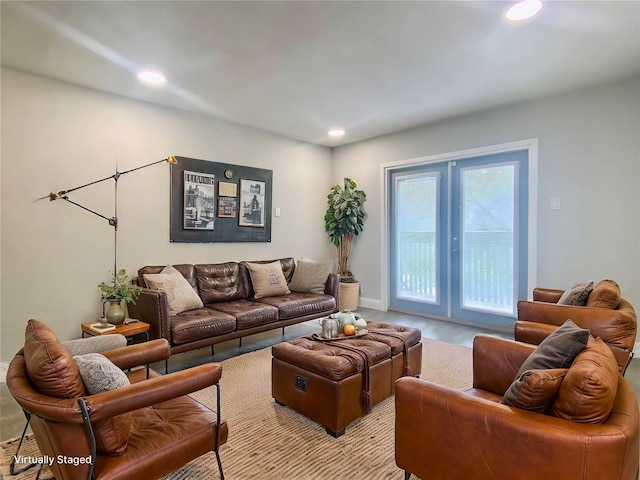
[12,420]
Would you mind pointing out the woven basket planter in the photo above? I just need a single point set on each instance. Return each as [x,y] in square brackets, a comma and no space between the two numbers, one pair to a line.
[348,296]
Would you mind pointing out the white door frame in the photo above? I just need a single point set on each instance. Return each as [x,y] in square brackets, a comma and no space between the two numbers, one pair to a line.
[530,145]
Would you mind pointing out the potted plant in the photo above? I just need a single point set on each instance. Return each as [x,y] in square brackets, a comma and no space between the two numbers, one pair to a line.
[114,292]
[343,220]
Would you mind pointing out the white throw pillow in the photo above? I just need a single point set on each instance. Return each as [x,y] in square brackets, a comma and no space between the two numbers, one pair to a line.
[267,279]
[180,295]
[310,277]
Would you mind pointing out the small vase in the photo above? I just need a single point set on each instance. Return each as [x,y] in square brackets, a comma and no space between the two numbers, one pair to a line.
[115,313]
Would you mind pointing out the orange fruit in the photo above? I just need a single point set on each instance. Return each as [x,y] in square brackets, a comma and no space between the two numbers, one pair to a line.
[349,329]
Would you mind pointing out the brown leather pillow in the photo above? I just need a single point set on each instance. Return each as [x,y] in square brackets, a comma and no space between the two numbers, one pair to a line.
[606,294]
[50,366]
[53,372]
[590,386]
[535,390]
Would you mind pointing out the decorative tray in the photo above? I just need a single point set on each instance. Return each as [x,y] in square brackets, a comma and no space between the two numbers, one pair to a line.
[320,338]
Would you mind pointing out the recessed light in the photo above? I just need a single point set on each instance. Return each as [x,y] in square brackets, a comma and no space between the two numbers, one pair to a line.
[523,10]
[336,132]
[151,77]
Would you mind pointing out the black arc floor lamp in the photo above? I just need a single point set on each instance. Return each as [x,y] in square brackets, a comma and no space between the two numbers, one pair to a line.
[113,221]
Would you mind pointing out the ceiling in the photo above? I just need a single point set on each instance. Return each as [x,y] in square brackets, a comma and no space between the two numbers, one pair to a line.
[300,68]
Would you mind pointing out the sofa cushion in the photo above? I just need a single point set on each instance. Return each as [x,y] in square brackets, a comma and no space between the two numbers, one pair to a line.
[300,304]
[310,277]
[576,295]
[50,366]
[606,294]
[267,279]
[535,390]
[220,282]
[247,314]
[589,389]
[99,375]
[200,324]
[180,295]
[558,350]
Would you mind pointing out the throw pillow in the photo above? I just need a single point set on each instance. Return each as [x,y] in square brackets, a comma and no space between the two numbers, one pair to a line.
[589,389]
[50,366]
[310,277]
[535,390]
[606,294]
[180,295]
[558,350]
[576,295]
[267,279]
[99,375]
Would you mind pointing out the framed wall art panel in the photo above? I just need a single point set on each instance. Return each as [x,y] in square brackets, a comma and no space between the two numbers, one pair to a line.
[219,202]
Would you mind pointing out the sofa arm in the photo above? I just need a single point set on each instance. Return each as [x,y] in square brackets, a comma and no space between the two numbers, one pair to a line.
[139,354]
[444,433]
[152,307]
[496,362]
[332,286]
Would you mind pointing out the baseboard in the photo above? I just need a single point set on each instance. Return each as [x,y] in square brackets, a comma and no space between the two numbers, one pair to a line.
[371,303]
[3,372]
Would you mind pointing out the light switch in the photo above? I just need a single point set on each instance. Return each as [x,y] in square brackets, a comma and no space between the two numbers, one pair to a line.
[555,203]
[277,211]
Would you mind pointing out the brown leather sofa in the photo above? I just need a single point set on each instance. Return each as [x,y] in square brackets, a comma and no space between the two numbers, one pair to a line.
[605,315]
[443,433]
[146,429]
[230,308]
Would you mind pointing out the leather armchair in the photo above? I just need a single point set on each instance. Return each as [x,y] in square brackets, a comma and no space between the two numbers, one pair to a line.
[616,326]
[443,433]
[168,429]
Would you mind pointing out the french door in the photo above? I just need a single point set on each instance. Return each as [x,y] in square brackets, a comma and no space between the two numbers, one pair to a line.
[458,238]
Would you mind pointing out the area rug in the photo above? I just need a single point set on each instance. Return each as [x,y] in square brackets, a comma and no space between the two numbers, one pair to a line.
[271,442]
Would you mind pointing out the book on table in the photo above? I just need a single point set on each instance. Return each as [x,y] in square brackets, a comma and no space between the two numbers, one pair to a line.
[102,327]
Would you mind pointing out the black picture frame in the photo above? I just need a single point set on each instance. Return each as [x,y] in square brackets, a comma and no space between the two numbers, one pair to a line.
[226,229]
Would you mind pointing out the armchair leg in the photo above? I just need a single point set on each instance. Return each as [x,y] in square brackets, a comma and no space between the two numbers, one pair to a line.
[12,466]
[218,425]
[407,475]
[219,464]
[92,439]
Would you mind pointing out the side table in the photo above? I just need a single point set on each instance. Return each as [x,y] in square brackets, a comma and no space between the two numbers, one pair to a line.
[127,331]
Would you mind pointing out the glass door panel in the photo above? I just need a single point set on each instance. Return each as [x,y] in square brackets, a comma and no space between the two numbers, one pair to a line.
[418,280]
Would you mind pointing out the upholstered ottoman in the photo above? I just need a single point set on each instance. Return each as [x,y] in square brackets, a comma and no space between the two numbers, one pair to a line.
[335,382]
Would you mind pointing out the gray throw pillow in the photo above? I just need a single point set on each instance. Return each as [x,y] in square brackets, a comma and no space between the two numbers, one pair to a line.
[576,295]
[310,277]
[99,374]
[558,350]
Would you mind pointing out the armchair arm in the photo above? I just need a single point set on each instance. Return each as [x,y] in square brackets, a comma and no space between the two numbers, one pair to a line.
[444,433]
[549,295]
[615,327]
[139,354]
[150,392]
[496,362]
[152,307]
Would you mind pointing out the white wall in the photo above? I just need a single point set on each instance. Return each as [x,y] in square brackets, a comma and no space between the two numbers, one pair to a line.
[56,136]
[589,156]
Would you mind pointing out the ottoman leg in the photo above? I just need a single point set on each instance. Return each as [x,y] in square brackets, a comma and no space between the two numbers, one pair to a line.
[337,434]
